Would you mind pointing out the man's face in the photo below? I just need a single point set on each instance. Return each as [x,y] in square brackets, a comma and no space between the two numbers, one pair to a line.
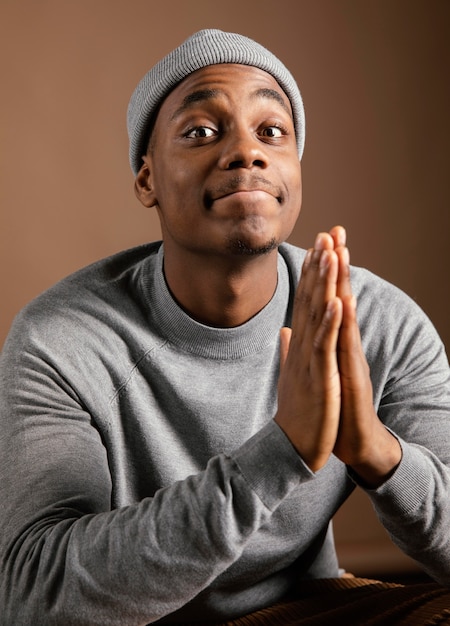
[222,164]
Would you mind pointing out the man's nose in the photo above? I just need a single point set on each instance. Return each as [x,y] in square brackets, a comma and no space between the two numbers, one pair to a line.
[242,150]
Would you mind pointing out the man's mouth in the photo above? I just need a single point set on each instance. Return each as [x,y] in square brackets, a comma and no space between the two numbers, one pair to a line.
[254,190]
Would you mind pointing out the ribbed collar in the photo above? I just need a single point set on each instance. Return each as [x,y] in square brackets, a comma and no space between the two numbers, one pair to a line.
[209,342]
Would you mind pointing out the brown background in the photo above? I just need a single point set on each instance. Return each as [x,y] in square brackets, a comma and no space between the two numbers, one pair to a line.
[374,77]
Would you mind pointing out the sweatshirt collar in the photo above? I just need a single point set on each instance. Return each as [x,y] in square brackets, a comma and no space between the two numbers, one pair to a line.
[217,343]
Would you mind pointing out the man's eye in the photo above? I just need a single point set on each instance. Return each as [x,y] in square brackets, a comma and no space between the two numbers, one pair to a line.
[200,132]
[272,131]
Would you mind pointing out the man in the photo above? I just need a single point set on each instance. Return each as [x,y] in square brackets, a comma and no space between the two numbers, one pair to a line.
[157,463]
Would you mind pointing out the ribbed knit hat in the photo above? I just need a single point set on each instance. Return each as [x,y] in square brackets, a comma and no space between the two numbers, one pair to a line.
[206,47]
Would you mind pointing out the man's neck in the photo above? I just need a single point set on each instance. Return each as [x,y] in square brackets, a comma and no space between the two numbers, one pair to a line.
[222,292]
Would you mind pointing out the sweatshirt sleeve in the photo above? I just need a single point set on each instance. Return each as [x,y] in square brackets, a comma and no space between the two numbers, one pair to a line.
[414,507]
[66,557]
[411,379]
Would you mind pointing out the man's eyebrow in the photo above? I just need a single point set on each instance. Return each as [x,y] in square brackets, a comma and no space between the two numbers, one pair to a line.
[202,95]
[273,95]
[194,97]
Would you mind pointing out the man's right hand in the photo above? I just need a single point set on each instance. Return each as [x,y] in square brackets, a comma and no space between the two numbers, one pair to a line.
[309,389]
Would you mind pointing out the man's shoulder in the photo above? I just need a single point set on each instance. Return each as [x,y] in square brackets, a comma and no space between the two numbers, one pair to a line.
[100,289]
[372,291]
[363,280]
[112,268]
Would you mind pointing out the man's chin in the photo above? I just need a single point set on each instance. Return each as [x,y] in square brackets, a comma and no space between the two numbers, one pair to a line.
[242,247]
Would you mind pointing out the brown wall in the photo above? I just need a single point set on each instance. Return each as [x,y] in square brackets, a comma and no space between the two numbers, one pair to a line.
[374,76]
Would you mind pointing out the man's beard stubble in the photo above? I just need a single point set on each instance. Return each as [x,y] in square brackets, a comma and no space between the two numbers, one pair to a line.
[242,248]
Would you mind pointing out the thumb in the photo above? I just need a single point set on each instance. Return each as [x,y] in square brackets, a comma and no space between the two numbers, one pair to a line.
[285,340]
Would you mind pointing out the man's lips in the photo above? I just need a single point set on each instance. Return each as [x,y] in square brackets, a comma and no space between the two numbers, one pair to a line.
[245,194]
[237,190]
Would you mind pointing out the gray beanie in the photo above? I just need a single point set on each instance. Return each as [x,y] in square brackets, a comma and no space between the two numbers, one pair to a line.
[206,47]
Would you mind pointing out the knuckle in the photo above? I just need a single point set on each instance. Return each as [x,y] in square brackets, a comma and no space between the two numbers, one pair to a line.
[318,344]
[313,314]
[303,298]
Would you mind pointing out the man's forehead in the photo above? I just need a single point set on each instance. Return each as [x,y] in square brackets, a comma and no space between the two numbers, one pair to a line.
[217,81]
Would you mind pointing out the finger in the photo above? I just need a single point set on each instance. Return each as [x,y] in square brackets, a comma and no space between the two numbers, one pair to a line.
[285,340]
[339,236]
[317,286]
[314,286]
[323,241]
[324,361]
[325,285]
[349,323]
[344,289]
[352,361]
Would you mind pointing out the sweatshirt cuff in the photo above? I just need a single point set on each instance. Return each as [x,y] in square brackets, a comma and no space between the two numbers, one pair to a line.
[408,487]
[270,465]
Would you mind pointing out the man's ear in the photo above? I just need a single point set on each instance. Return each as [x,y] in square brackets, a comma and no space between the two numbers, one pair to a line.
[143,187]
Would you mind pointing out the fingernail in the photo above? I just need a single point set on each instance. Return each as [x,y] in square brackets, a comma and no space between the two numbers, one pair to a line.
[318,243]
[342,236]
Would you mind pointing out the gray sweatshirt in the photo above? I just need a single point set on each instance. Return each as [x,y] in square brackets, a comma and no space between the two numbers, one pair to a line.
[142,477]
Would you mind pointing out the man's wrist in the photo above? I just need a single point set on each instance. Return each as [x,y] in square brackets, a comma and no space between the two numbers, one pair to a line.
[380,465]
